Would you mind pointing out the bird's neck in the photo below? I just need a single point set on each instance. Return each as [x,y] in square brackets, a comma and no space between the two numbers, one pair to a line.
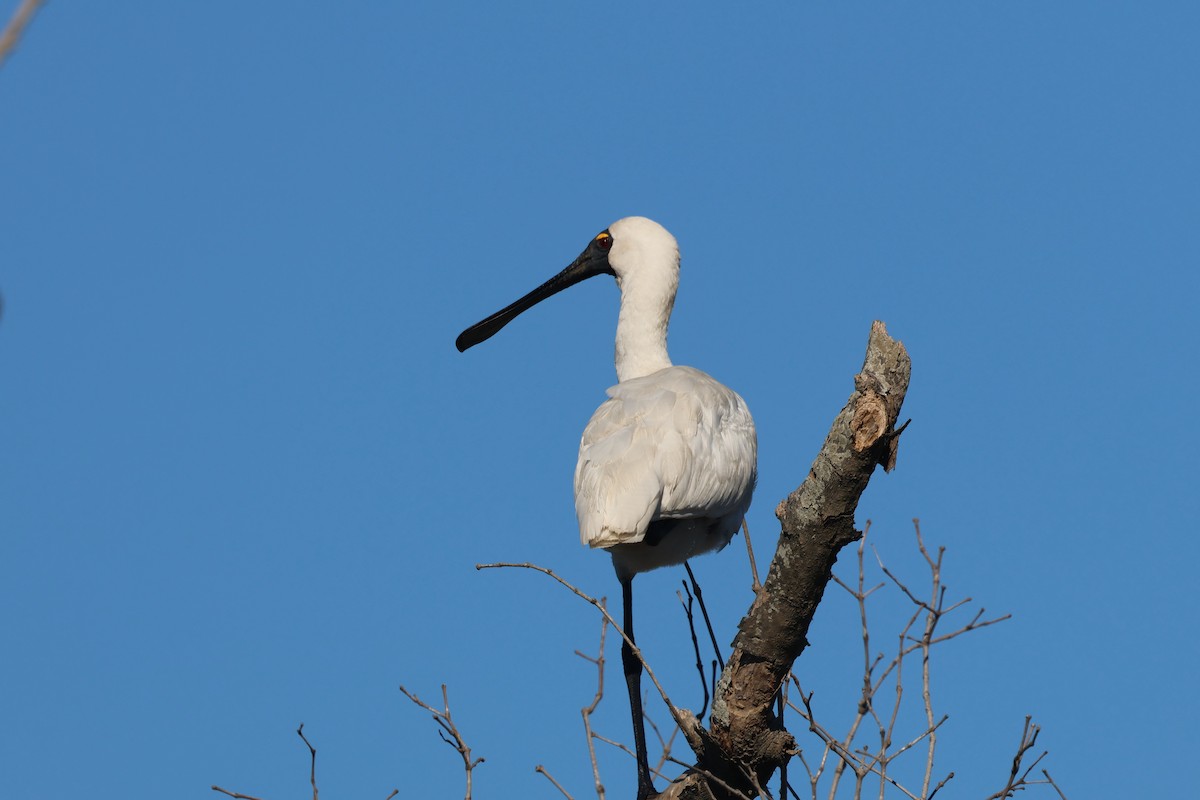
[642,329]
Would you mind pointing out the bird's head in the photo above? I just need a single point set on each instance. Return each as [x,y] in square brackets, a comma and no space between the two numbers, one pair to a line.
[635,250]
[640,245]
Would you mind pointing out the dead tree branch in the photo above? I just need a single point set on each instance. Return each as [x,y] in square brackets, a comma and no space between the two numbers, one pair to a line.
[917,637]
[746,742]
[312,772]
[235,795]
[756,585]
[686,721]
[16,26]
[543,771]
[590,709]
[1018,779]
[445,726]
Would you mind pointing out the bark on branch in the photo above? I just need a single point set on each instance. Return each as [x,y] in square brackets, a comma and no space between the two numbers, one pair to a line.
[745,743]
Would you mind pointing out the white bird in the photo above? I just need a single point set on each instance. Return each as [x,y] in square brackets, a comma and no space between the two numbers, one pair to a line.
[667,464]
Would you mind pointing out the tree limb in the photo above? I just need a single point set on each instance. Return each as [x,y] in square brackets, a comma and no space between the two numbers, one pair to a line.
[746,742]
[16,26]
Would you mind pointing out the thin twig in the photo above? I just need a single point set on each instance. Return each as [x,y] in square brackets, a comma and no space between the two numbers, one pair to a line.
[709,776]
[758,787]
[10,36]
[624,748]
[941,783]
[588,710]
[665,744]
[921,632]
[540,769]
[593,601]
[655,769]
[970,626]
[859,767]
[781,706]
[446,724]
[1016,778]
[866,702]
[236,795]
[756,585]
[312,774]
[938,595]
[917,740]
[1054,785]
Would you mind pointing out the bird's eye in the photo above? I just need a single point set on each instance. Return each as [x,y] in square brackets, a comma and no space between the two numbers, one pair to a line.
[604,241]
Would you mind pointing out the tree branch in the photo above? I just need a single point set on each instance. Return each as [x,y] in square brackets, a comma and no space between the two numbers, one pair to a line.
[312,772]
[445,726]
[747,741]
[590,709]
[686,721]
[16,26]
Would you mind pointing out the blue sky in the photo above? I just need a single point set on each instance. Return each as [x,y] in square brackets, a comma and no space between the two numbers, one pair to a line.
[245,476]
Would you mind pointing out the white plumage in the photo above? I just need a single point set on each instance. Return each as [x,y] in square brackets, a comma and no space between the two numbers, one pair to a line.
[667,464]
[671,445]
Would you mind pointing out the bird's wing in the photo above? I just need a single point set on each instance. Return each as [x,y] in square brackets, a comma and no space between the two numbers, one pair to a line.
[674,444]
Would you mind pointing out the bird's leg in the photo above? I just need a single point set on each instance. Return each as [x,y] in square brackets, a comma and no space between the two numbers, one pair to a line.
[712,637]
[633,680]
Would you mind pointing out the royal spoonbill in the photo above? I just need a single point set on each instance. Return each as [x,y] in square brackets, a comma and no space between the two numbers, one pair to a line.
[667,464]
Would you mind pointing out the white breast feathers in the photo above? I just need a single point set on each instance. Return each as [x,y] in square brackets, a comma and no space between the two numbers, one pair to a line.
[674,444]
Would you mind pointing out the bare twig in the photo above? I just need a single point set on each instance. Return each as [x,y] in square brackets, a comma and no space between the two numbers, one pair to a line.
[938,594]
[624,748]
[655,769]
[858,764]
[590,709]
[864,761]
[813,777]
[1018,779]
[781,705]
[542,770]
[1054,785]
[446,726]
[666,744]
[235,795]
[756,585]
[941,783]
[312,774]
[917,740]
[761,790]
[817,521]
[708,775]
[679,720]
[12,34]
[866,702]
